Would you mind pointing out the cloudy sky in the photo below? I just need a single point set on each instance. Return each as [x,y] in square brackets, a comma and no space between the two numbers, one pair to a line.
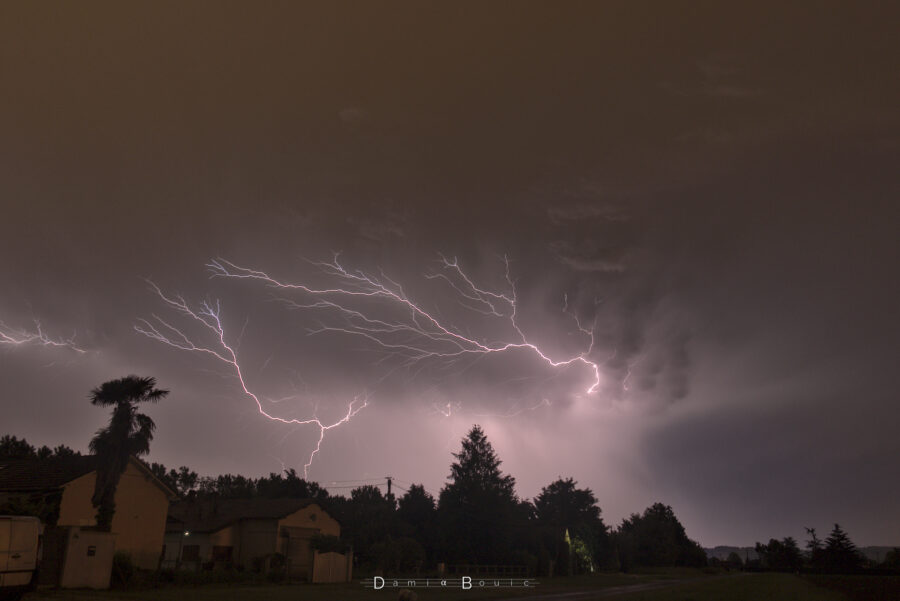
[691,209]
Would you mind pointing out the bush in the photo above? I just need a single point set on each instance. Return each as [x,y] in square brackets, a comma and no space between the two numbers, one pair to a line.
[522,557]
[122,570]
[160,577]
[146,579]
[277,568]
[326,543]
[401,555]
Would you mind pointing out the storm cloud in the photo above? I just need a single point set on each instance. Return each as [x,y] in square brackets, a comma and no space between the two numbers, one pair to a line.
[709,191]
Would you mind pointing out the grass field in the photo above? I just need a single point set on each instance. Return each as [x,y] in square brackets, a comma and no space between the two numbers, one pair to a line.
[745,587]
[355,591]
[662,586]
[861,587]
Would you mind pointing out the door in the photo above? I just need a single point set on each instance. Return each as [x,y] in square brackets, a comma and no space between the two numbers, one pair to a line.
[299,557]
[23,544]
[5,528]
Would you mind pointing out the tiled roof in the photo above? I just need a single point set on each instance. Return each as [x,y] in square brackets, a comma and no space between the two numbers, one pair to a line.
[209,515]
[38,475]
[22,475]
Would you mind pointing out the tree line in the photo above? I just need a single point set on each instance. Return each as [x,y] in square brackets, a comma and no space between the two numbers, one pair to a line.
[477,518]
[837,554]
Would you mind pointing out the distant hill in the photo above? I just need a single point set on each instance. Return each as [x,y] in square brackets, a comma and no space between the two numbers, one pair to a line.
[876,553]
[721,552]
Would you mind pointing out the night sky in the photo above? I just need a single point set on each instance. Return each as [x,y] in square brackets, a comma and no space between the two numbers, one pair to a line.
[710,192]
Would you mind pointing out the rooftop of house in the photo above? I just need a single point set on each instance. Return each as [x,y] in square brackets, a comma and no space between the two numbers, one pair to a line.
[212,514]
[34,475]
[38,475]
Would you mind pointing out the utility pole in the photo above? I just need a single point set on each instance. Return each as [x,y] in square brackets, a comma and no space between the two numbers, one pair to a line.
[389,479]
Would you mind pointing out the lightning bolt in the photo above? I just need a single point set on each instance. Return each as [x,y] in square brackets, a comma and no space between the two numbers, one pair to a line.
[447,409]
[517,409]
[19,337]
[208,315]
[419,334]
[629,369]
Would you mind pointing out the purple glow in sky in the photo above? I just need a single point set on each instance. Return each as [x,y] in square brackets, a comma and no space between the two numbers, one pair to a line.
[696,206]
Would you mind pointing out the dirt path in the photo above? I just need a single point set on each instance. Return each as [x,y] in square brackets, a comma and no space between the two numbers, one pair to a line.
[614,591]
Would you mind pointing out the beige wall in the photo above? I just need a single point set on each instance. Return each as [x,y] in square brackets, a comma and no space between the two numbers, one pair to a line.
[75,508]
[258,538]
[229,536]
[175,543]
[332,567]
[252,538]
[83,569]
[312,516]
[140,519]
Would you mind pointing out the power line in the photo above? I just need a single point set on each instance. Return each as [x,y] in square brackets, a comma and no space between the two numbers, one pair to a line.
[387,481]
[339,487]
[410,484]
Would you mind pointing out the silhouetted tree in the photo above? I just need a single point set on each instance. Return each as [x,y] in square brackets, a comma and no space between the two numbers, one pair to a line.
[565,508]
[814,549]
[366,518]
[656,538]
[398,556]
[64,451]
[167,477]
[128,434]
[892,559]
[417,515]
[734,561]
[184,480]
[13,448]
[840,554]
[227,486]
[781,556]
[563,505]
[44,506]
[289,484]
[477,507]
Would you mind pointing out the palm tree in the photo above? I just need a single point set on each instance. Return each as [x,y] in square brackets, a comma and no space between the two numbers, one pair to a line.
[128,433]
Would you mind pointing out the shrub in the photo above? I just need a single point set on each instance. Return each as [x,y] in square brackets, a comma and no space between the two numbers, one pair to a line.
[122,570]
[277,568]
[326,543]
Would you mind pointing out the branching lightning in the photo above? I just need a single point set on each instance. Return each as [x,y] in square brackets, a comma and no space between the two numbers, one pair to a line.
[377,309]
[208,315]
[418,334]
[37,337]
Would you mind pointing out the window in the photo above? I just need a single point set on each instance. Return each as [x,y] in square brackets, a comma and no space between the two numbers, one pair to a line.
[190,553]
[221,553]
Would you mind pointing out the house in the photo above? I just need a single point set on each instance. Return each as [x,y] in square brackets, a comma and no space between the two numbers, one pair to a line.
[67,483]
[248,533]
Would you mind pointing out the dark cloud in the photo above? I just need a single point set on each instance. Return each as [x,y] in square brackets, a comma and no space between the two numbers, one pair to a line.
[588,256]
[599,211]
[728,235]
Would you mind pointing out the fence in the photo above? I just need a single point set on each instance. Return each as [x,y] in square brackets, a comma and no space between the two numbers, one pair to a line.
[488,571]
[332,567]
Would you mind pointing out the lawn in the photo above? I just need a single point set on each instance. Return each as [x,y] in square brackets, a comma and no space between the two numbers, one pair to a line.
[668,586]
[861,587]
[742,587]
[352,591]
